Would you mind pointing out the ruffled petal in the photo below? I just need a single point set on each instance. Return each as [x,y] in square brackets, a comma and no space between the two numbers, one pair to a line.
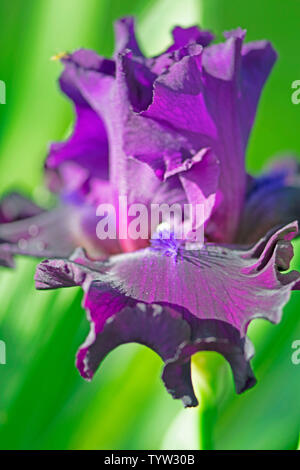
[111,99]
[199,176]
[209,335]
[139,81]
[170,331]
[115,101]
[234,279]
[210,99]
[163,111]
[144,128]
[184,36]
[101,92]
[158,141]
[159,328]
[125,36]
[180,301]
[84,59]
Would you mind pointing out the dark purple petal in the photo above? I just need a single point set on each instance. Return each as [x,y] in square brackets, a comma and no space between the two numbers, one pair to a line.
[208,100]
[184,36]
[114,102]
[58,273]
[125,36]
[114,99]
[209,335]
[85,153]
[48,234]
[171,332]
[14,207]
[77,270]
[131,177]
[241,286]
[273,199]
[139,80]
[163,111]
[98,89]
[157,141]
[213,293]
[125,321]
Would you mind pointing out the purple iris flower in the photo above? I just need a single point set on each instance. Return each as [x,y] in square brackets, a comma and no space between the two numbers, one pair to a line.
[168,129]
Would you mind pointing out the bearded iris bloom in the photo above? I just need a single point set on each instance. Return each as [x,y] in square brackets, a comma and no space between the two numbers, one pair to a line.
[168,129]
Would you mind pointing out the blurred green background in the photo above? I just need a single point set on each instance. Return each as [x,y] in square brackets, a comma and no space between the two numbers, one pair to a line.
[44,404]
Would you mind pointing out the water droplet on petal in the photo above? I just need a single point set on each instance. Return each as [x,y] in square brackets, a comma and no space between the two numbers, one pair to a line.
[141,306]
[22,244]
[41,245]
[33,230]
[157,309]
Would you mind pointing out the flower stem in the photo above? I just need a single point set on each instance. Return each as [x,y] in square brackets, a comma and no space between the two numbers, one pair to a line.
[206,422]
[208,373]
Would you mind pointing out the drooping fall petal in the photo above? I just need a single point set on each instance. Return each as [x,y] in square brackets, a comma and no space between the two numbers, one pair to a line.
[206,297]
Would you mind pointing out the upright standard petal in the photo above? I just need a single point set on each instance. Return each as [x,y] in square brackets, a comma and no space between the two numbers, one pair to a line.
[82,156]
[85,154]
[184,36]
[163,111]
[111,99]
[125,36]
[209,99]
